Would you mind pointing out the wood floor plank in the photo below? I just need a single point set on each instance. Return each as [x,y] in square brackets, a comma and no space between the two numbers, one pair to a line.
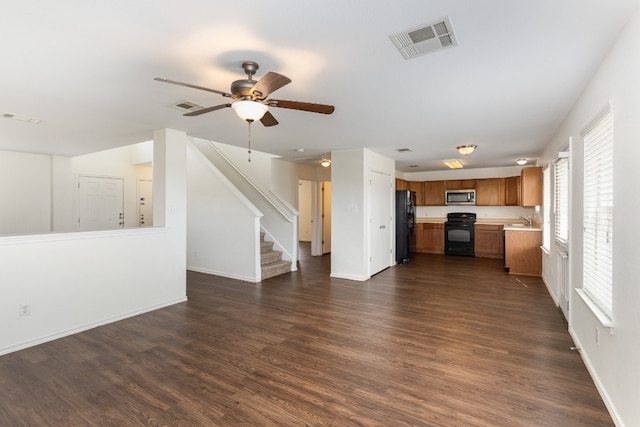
[440,341]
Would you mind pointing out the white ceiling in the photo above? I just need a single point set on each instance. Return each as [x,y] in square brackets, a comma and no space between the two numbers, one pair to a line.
[86,70]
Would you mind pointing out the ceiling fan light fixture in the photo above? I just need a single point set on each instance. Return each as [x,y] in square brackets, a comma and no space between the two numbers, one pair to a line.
[466,149]
[521,162]
[453,163]
[249,110]
[325,163]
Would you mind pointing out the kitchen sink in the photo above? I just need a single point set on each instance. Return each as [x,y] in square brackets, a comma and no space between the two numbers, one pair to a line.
[517,225]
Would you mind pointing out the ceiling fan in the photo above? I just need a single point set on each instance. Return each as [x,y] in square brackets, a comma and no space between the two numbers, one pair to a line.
[250,97]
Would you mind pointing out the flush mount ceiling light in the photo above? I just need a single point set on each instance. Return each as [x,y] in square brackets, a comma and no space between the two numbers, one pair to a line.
[325,163]
[249,110]
[21,118]
[521,162]
[453,163]
[466,149]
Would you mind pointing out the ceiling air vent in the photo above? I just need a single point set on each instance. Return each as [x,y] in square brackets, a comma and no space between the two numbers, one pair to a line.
[187,106]
[425,38]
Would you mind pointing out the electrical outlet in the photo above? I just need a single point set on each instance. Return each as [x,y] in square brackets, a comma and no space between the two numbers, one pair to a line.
[25,310]
[195,252]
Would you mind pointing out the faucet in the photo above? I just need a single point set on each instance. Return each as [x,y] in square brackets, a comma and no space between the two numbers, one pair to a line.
[529,220]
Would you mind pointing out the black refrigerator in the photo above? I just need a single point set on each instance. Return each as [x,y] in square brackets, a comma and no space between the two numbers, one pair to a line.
[405,224]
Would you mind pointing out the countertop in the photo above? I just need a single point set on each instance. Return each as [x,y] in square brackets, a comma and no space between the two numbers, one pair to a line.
[510,224]
[513,227]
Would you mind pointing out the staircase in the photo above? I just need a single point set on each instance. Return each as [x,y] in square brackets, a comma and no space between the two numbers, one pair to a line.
[271,262]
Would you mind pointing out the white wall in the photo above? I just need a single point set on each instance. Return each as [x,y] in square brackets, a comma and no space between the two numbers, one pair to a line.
[493,212]
[76,281]
[222,224]
[258,170]
[25,193]
[613,360]
[350,210]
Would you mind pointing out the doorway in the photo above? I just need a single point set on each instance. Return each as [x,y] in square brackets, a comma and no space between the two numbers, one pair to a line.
[325,214]
[100,203]
[305,219]
[381,200]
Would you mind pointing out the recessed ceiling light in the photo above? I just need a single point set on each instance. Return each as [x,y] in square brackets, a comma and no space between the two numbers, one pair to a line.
[299,150]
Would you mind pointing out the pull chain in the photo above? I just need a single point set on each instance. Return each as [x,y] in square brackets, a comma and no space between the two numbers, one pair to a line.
[249,121]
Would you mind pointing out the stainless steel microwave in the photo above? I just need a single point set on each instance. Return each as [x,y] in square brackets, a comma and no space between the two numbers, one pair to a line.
[460,197]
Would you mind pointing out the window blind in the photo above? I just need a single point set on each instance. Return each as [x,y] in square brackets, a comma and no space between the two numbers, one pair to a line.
[561,200]
[598,213]
[546,208]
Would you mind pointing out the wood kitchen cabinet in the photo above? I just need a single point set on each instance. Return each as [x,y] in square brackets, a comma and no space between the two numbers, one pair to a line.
[430,238]
[418,187]
[512,191]
[522,252]
[401,184]
[531,186]
[490,191]
[434,193]
[460,184]
[488,241]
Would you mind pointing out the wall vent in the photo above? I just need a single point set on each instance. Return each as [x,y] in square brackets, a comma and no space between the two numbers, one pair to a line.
[426,38]
[187,106]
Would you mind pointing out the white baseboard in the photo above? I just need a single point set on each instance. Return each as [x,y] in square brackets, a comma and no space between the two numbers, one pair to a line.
[596,380]
[86,327]
[223,274]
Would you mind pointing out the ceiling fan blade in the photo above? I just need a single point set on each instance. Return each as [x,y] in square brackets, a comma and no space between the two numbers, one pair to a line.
[268,119]
[173,82]
[304,106]
[269,83]
[206,110]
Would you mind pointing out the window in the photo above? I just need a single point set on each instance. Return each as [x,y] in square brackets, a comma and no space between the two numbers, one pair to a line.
[598,213]
[546,208]
[561,200]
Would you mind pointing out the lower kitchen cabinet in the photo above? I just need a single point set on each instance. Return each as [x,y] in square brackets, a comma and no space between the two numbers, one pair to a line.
[522,252]
[488,241]
[430,238]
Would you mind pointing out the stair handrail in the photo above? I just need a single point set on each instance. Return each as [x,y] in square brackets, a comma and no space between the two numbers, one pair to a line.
[289,216]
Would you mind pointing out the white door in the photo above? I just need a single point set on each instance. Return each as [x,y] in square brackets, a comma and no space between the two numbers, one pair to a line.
[326,217]
[145,203]
[100,203]
[304,210]
[380,192]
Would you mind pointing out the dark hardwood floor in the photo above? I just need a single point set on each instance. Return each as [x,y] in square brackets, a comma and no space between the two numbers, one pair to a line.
[441,341]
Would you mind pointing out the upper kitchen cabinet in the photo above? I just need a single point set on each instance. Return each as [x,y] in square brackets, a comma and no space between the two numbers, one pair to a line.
[512,191]
[418,187]
[490,192]
[460,184]
[531,186]
[434,193]
[401,184]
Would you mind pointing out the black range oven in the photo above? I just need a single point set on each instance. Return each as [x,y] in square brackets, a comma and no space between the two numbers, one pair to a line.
[459,232]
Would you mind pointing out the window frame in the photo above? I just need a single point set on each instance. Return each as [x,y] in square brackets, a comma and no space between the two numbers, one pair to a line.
[598,216]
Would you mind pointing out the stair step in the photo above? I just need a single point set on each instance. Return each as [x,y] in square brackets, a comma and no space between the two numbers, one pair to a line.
[269,257]
[265,246]
[275,269]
